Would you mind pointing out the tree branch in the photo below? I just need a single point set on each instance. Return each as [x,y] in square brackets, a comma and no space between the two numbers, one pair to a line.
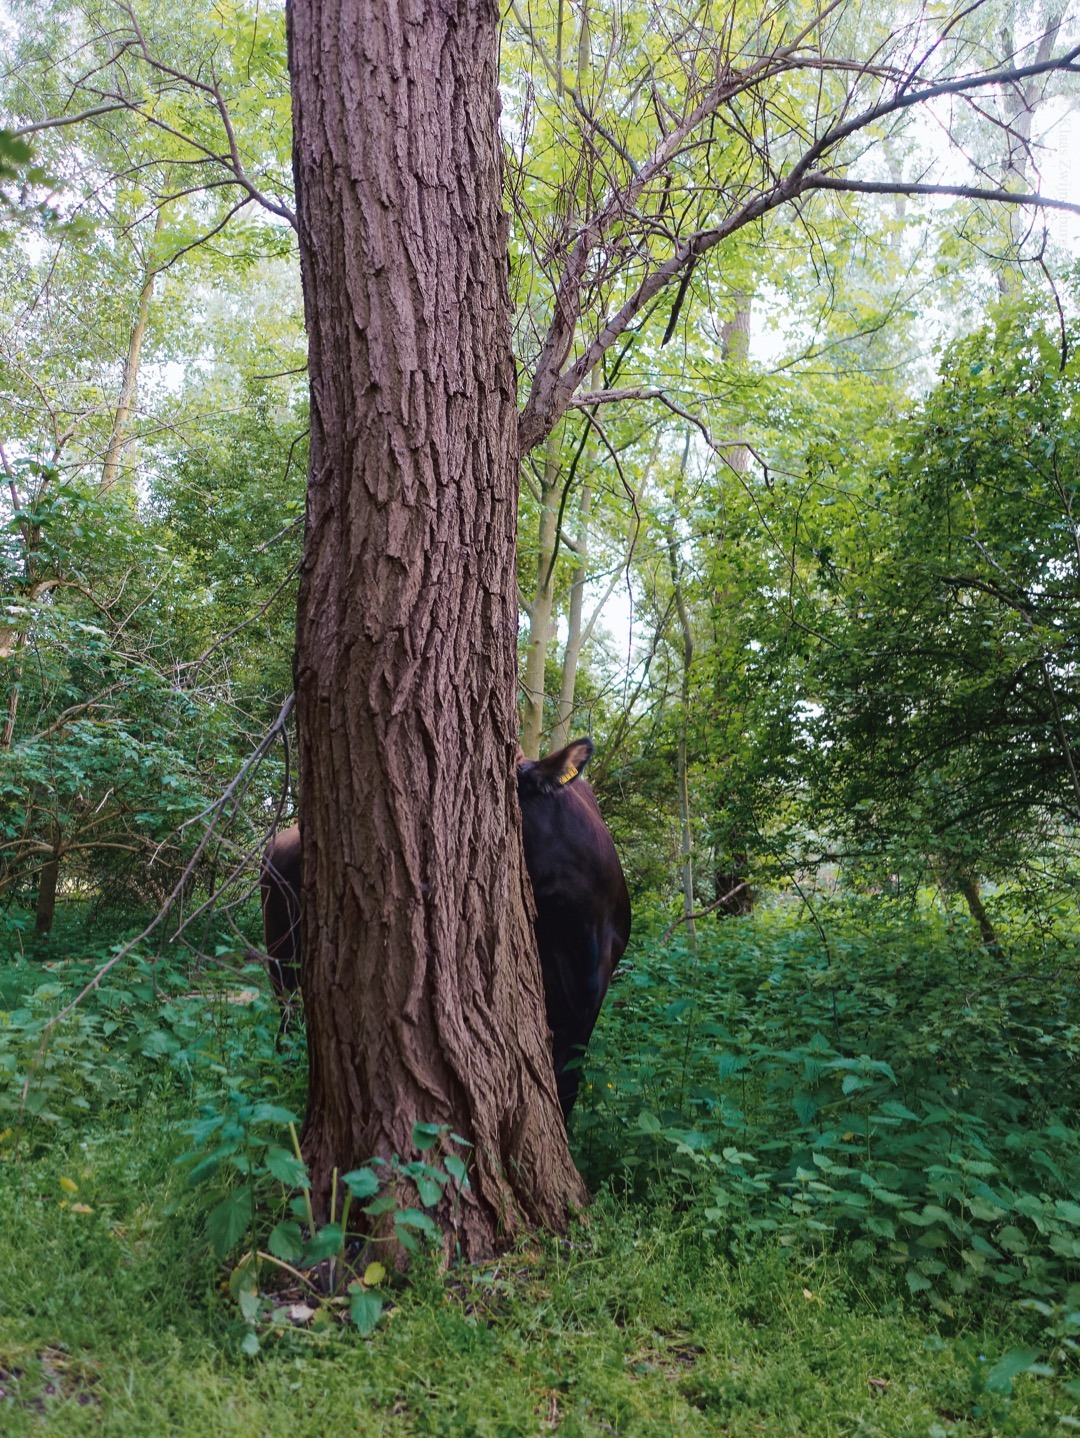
[819,181]
[553,387]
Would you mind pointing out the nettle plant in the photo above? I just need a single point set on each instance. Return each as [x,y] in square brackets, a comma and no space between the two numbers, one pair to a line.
[238,1139]
[96,1037]
[905,1094]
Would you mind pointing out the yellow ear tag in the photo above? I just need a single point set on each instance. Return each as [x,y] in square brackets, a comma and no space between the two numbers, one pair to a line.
[571,773]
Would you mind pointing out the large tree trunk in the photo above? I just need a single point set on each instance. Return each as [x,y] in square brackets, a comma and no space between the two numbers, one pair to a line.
[421,980]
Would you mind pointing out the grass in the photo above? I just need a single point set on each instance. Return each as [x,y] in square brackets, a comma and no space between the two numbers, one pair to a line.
[115,1321]
[116,1318]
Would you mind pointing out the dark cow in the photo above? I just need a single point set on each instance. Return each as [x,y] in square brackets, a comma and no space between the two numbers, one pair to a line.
[582,905]
[279,883]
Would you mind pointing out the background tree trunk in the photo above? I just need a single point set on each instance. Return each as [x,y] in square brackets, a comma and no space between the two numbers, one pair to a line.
[686,837]
[1018,105]
[968,888]
[540,608]
[421,980]
[48,880]
[735,350]
[575,634]
[110,469]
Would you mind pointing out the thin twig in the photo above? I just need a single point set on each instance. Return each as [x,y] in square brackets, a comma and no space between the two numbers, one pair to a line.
[685,918]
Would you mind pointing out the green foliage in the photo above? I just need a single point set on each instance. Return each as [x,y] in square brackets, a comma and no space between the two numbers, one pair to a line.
[785,1311]
[136,711]
[153,450]
[238,1148]
[139,1032]
[895,1091]
[938,691]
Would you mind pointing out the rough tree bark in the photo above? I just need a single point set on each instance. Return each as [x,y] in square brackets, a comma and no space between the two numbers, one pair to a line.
[421,980]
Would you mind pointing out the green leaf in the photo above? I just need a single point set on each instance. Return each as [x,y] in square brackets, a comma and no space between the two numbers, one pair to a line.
[286,1242]
[1012,1239]
[286,1167]
[365,1310]
[1016,1361]
[893,1109]
[407,1241]
[325,1244]
[229,1220]
[886,1195]
[456,1168]
[806,1107]
[413,1218]
[271,1113]
[361,1182]
[979,1208]
[424,1135]
[204,1169]
[430,1191]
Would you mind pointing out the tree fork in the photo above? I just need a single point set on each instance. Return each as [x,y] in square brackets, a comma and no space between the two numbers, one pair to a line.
[421,979]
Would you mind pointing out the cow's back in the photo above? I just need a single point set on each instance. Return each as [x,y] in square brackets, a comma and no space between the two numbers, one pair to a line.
[279,884]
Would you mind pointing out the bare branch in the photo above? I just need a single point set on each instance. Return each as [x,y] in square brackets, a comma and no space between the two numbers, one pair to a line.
[684,918]
[78,119]
[622,226]
[960,192]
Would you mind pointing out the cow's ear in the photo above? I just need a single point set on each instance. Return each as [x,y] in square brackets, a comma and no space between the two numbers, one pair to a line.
[565,765]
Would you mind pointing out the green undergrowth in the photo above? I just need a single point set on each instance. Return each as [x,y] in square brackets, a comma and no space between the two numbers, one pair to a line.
[837,1182]
[117,1320]
[903,1092]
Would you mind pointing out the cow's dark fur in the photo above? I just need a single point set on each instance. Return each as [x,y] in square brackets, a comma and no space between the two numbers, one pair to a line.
[279,882]
[582,904]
